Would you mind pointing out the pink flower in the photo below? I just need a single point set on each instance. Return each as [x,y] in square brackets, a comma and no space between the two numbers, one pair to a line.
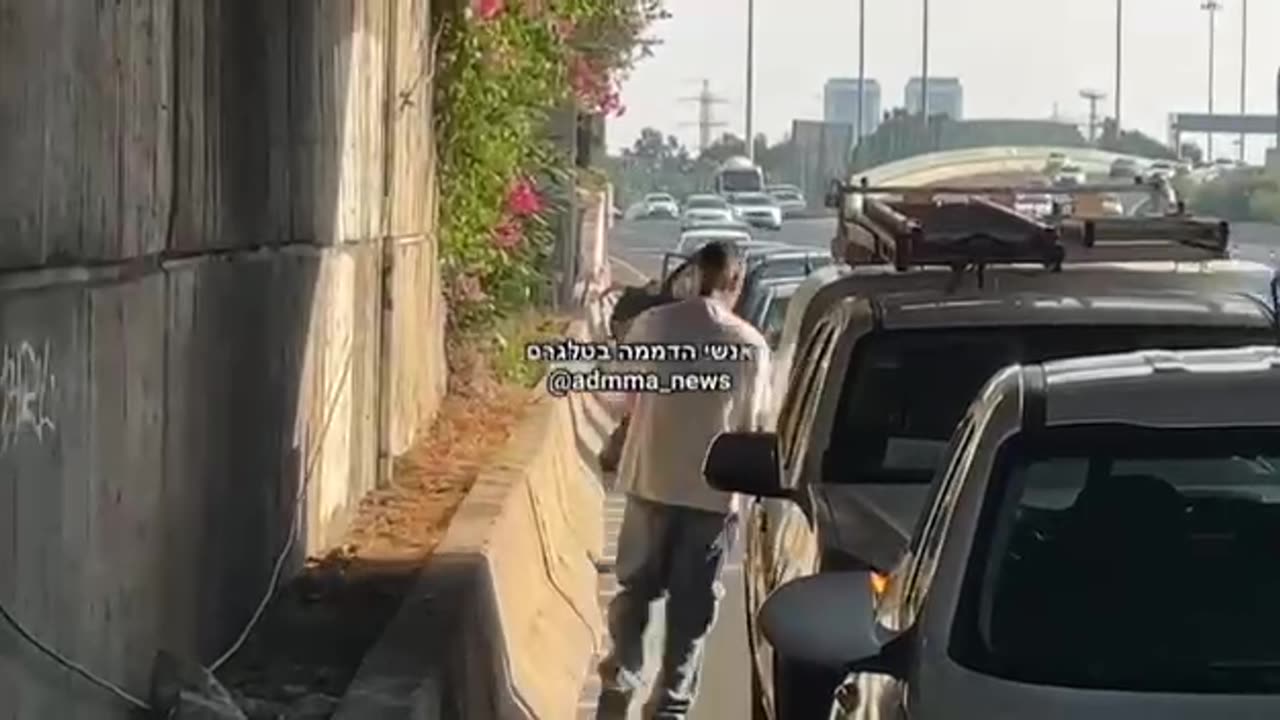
[507,235]
[523,200]
[488,9]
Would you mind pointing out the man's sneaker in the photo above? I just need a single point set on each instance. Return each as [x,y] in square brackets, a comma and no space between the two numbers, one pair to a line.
[612,705]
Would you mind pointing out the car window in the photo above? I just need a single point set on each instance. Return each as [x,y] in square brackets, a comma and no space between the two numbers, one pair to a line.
[1117,557]
[800,395]
[905,390]
[927,542]
[775,315]
[753,200]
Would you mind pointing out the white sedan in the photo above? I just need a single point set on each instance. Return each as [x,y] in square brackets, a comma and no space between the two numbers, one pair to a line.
[758,209]
[706,209]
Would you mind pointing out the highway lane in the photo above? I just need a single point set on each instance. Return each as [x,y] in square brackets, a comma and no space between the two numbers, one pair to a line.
[641,243]
[725,684]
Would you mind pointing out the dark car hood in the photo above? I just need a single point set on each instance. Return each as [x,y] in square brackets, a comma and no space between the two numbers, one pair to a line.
[869,522]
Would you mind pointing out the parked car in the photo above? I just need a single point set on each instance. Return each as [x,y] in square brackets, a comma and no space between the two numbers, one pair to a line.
[886,362]
[704,210]
[660,205]
[769,285]
[759,209]
[790,199]
[1056,570]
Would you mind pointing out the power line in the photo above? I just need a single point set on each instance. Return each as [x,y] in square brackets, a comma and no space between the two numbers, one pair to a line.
[706,101]
[1093,96]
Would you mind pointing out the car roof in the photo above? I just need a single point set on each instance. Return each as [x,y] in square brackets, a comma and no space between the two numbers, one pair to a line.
[660,195]
[738,235]
[704,196]
[780,286]
[742,195]
[916,310]
[1160,388]
[1080,280]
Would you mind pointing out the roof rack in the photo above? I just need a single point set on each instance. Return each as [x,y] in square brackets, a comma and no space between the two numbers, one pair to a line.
[960,227]
[1169,237]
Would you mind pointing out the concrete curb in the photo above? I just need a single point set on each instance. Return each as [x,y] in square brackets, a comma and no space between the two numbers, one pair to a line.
[503,621]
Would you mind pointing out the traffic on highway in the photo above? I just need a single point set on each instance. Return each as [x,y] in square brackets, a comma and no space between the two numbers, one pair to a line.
[1018,416]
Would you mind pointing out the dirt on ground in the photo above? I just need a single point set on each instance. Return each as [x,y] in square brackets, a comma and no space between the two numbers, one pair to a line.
[306,651]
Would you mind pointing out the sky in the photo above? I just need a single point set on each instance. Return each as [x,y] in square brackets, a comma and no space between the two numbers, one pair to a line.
[1015,58]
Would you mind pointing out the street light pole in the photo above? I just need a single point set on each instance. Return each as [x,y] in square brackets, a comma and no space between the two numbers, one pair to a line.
[862,67]
[1244,65]
[751,68]
[1212,7]
[924,65]
[1119,55]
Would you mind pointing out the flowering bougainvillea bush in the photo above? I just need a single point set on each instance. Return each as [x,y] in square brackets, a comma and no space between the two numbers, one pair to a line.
[502,67]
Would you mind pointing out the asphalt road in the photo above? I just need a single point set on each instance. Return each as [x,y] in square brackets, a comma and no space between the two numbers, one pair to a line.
[638,247]
[640,244]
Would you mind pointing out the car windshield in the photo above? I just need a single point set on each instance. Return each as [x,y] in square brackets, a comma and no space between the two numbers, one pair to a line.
[706,203]
[791,266]
[739,180]
[1070,168]
[786,194]
[753,200]
[659,199]
[905,390]
[1124,558]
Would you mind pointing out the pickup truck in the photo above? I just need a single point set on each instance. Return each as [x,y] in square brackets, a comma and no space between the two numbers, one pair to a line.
[890,355]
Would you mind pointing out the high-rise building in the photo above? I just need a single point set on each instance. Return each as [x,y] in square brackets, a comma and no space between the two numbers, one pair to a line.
[946,97]
[840,103]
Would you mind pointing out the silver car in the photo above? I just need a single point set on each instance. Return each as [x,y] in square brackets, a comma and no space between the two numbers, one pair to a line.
[704,210]
[1097,545]
[758,209]
[790,199]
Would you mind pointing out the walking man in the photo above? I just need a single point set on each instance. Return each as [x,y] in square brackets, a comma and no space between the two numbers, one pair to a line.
[676,530]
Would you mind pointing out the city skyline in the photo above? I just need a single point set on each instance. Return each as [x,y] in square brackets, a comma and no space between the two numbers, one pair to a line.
[1015,58]
[840,103]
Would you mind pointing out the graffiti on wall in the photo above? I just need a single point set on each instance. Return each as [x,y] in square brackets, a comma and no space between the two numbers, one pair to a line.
[27,383]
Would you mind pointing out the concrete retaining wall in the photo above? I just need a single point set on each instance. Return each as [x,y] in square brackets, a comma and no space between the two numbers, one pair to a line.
[504,620]
[218,283]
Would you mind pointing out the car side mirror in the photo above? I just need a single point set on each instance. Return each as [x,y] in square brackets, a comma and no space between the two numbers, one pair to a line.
[747,463]
[827,620]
